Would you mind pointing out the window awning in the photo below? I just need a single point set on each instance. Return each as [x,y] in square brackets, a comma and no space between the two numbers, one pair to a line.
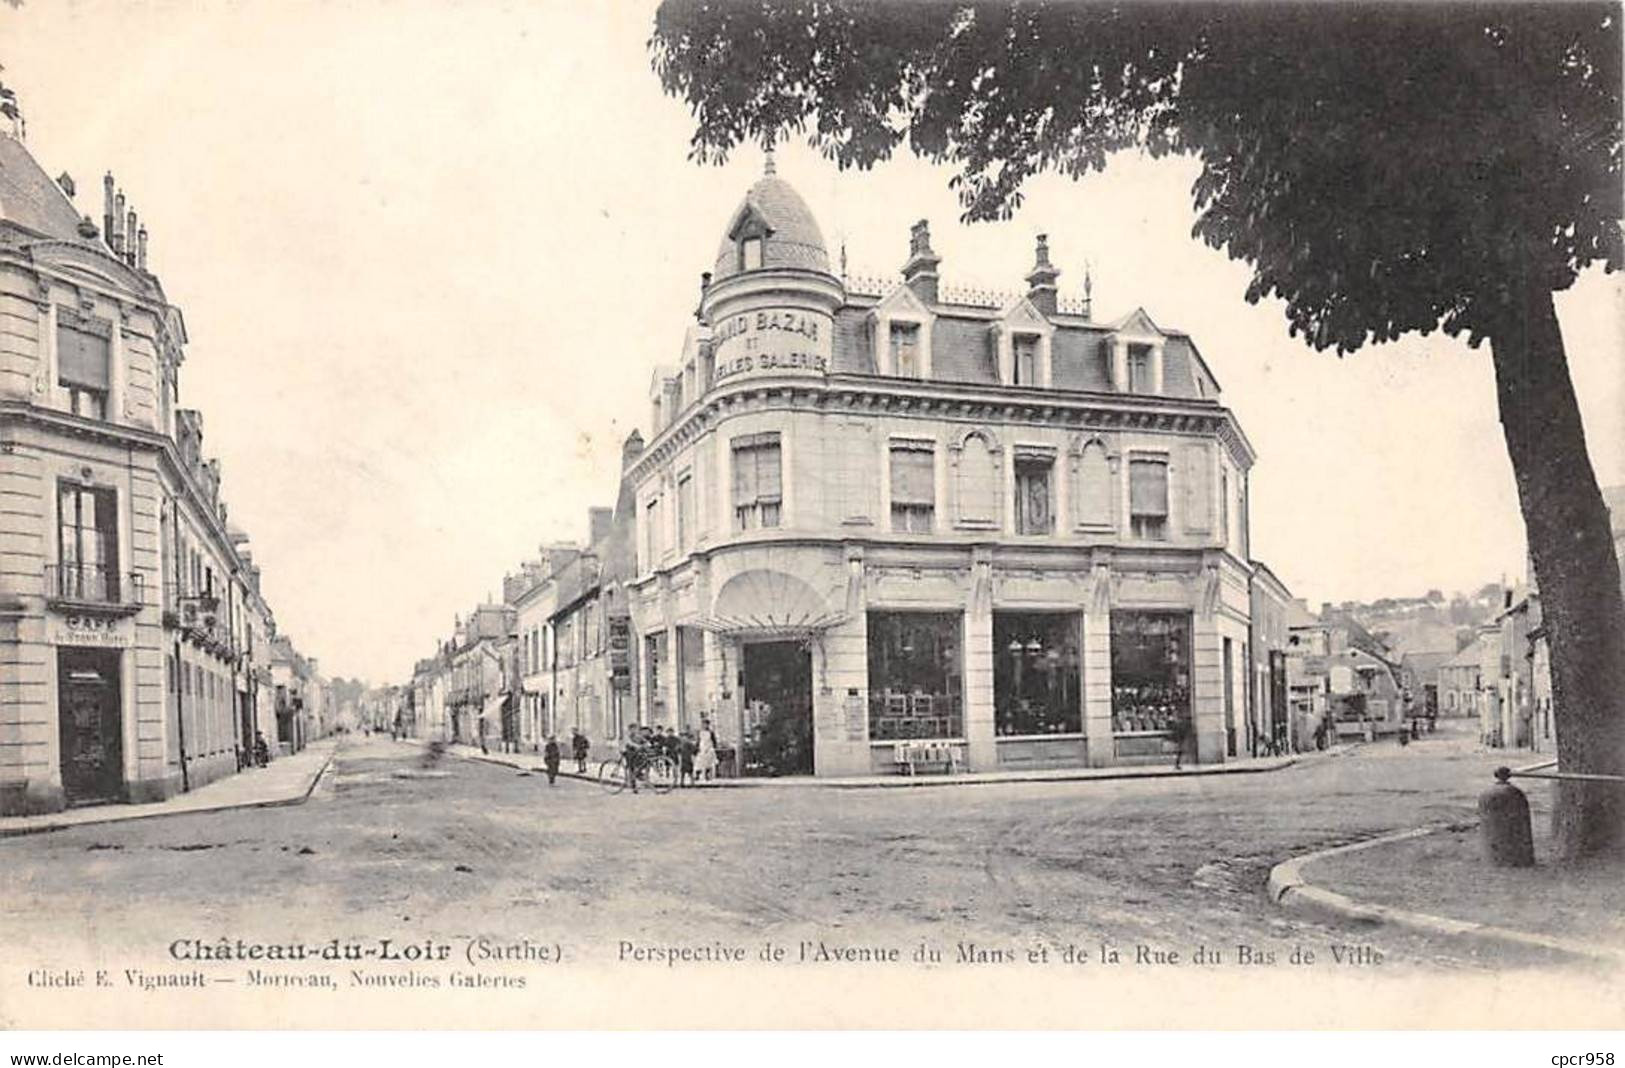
[769,603]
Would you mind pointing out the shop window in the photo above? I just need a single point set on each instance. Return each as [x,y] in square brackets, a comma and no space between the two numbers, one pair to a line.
[1033,512]
[87,543]
[916,671]
[913,486]
[1148,498]
[1151,671]
[1037,673]
[685,512]
[84,361]
[757,484]
[1024,365]
[905,349]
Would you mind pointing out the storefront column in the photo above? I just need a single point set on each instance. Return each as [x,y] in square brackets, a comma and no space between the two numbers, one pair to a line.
[1097,687]
[1207,690]
[983,753]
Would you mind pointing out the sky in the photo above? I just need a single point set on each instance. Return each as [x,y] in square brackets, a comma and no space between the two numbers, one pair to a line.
[429,254]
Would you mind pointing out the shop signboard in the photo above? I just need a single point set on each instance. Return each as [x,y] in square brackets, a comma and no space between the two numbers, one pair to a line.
[620,651]
[773,341]
[98,631]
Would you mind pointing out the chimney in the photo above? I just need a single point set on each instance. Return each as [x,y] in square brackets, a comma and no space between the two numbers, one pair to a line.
[118,224]
[109,216]
[599,522]
[920,272]
[141,249]
[1041,280]
[631,449]
[130,238]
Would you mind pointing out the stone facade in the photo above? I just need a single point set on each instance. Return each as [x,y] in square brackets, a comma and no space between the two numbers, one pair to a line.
[134,642]
[836,479]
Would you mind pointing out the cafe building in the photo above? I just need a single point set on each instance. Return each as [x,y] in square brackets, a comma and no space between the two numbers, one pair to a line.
[132,631]
[888,524]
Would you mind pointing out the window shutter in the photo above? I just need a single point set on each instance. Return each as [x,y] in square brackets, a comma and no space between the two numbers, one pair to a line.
[744,476]
[1148,487]
[768,484]
[83,354]
[1198,493]
[913,475]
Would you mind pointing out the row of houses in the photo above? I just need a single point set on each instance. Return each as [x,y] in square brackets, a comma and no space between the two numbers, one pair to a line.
[1503,676]
[139,656]
[872,518]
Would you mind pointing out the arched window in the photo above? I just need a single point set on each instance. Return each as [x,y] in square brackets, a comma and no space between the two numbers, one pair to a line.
[1095,491]
[978,487]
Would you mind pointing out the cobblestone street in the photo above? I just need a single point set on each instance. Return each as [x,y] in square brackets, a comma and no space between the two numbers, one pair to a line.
[481,850]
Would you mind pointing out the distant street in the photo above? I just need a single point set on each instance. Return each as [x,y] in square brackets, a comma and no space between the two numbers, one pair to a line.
[484,850]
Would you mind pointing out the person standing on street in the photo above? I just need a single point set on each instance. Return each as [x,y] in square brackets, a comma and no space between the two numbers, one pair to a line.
[1179,732]
[705,759]
[550,758]
[579,747]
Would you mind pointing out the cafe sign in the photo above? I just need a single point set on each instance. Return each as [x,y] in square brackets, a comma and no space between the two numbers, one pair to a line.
[92,630]
[773,341]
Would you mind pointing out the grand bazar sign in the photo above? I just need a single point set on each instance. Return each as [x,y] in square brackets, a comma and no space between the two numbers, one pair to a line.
[773,341]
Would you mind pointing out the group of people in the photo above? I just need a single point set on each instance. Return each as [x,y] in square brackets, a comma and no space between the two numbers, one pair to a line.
[694,753]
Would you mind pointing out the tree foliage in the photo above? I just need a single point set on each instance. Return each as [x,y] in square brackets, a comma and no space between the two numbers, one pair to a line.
[1384,167]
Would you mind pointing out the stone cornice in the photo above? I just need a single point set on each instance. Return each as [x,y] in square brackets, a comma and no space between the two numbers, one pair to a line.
[965,402]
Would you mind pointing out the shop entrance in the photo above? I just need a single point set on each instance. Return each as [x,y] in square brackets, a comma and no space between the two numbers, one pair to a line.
[90,727]
[777,688]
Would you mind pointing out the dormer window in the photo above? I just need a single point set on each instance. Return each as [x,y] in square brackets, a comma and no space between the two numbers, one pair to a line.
[1024,369]
[750,254]
[905,347]
[1139,369]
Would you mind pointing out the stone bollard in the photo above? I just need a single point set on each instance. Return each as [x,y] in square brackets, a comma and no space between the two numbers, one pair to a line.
[1504,823]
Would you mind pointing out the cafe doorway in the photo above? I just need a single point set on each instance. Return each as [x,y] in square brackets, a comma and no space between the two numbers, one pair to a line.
[778,728]
[90,725]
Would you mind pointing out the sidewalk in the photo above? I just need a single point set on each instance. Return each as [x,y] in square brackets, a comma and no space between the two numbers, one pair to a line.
[286,781]
[532,762]
[1408,879]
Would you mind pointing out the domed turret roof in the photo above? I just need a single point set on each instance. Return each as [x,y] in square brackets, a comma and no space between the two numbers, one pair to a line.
[791,237]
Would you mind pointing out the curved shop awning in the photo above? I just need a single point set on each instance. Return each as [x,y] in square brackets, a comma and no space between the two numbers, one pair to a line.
[769,603]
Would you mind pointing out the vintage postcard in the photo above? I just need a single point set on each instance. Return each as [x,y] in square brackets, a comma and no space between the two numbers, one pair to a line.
[757,514]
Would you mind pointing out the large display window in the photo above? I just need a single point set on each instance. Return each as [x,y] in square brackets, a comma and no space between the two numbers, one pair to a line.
[1037,678]
[1151,671]
[916,675]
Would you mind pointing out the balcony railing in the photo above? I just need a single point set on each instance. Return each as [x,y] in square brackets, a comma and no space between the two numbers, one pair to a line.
[85,585]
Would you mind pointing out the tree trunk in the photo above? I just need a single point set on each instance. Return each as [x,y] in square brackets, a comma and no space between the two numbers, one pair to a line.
[1571,548]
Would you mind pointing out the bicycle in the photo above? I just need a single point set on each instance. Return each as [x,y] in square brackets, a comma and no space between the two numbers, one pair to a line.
[658,773]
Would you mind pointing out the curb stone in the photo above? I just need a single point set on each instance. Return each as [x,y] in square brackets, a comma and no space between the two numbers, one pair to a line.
[275,802]
[1289,889]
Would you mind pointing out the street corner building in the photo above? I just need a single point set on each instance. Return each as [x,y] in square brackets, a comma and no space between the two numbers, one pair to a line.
[135,645]
[887,523]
